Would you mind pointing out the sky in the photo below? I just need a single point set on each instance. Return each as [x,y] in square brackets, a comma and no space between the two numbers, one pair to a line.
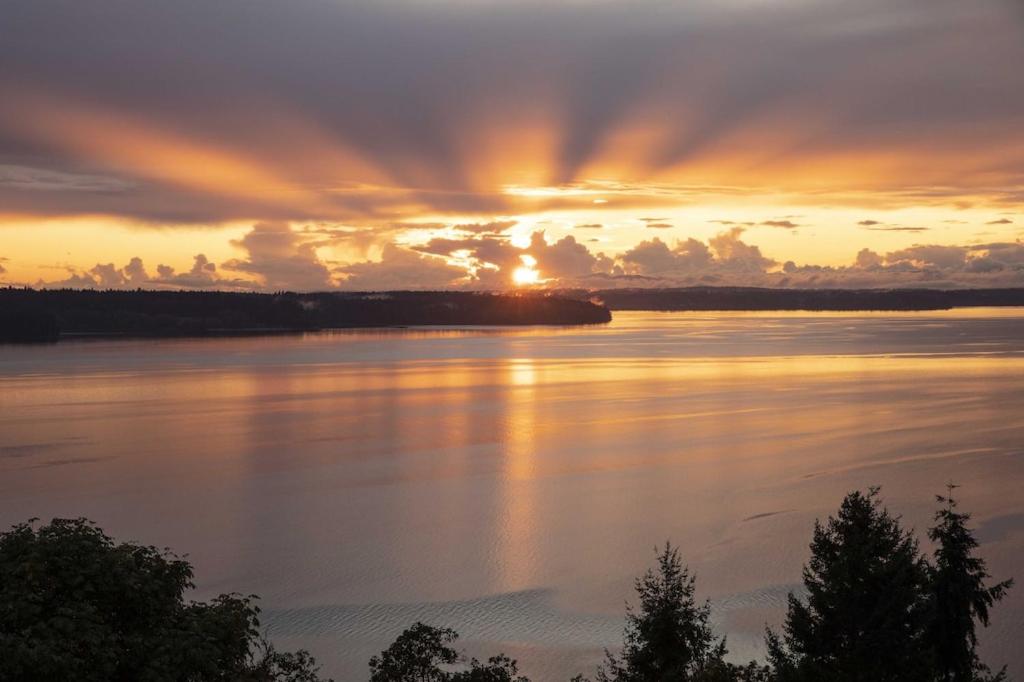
[486,144]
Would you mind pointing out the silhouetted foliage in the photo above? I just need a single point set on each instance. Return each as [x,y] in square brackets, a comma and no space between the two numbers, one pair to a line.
[425,654]
[43,315]
[669,638]
[760,298]
[867,604]
[960,597]
[19,325]
[75,605]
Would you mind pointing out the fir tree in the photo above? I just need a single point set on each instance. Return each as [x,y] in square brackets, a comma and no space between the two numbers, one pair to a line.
[865,615]
[960,596]
[669,639]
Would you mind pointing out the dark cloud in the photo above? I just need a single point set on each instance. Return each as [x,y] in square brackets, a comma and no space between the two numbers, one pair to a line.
[308,110]
[1001,221]
[496,258]
[590,226]
[785,224]
[868,223]
[898,228]
[660,226]
[939,256]
[495,227]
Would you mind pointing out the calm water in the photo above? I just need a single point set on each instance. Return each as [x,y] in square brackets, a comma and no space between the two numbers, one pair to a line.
[511,483]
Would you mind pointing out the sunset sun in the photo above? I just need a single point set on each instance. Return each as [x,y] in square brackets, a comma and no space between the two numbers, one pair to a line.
[526,274]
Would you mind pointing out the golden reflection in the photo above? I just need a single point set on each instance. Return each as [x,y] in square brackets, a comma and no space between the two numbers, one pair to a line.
[519,523]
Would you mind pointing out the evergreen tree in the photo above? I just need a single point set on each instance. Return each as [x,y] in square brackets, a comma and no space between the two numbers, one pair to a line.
[865,615]
[960,596]
[669,639]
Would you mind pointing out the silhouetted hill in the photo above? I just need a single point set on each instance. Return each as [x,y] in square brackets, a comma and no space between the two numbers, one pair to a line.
[31,315]
[752,298]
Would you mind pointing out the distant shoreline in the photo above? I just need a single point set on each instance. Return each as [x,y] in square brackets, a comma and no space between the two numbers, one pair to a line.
[29,315]
[810,300]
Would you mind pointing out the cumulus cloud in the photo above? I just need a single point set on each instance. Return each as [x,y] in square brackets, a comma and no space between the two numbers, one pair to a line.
[133,275]
[868,259]
[279,256]
[400,268]
[930,255]
[735,254]
[202,275]
[280,259]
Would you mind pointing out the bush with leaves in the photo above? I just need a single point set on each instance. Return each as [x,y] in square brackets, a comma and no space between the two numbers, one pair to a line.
[425,654]
[75,605]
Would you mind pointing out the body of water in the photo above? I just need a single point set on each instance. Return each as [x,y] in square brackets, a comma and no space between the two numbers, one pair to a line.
[511,483]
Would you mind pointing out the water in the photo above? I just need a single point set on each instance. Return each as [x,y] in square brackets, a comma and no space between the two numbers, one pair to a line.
[511,483]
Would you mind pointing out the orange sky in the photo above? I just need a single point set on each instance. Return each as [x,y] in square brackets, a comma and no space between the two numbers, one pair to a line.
[400,144]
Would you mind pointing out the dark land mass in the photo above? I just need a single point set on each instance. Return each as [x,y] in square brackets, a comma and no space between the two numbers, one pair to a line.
[48,315]
[752,298]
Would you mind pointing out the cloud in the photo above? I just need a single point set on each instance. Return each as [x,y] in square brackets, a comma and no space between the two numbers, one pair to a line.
[654,257]
[868,223]
[494,259]
[280,260]
[660,226]
[380,115]
[785,224]
[898,228]
[202,275]
[735,254]
[494,227]
[1001,221]
[563,259]
[400,268]
[590,226]
[930,255]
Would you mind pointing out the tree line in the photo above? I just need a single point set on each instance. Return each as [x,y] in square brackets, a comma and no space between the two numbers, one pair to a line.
[75,604]
[46,315]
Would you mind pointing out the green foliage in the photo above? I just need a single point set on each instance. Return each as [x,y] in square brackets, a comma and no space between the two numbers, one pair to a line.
[960,597]
[425,654]
[76,605]
[669,638]
[867,605]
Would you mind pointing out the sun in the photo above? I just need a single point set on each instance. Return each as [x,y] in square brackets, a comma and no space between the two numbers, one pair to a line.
[526,274]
